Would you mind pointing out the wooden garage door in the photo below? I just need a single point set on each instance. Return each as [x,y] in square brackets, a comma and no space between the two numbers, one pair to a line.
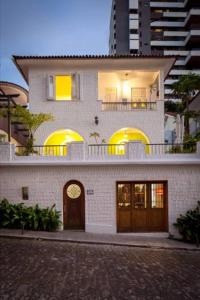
[141,206]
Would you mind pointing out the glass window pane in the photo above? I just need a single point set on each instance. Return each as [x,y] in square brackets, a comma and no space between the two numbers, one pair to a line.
[63,87]
[124,195]
[140,195]
[157,195]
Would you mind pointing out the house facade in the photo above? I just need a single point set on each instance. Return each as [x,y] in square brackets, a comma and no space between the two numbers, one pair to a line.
[129,182]
[126,92]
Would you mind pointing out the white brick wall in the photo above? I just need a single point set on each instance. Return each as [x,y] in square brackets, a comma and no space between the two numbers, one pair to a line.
[46,187]
[79,115]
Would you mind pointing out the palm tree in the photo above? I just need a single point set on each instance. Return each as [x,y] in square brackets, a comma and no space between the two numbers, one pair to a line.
[186,88]
[32,122]
[95,135]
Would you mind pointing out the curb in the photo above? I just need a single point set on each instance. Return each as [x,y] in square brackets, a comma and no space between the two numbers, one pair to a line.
[89,242]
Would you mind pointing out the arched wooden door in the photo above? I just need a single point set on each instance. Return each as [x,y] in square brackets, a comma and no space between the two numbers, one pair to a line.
[74,205]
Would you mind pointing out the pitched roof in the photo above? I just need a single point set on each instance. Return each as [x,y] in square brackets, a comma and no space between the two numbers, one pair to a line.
[90,56]
[18,59]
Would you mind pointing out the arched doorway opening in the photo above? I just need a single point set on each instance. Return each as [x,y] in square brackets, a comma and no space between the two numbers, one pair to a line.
[56,142]
[124,135]
[74,205]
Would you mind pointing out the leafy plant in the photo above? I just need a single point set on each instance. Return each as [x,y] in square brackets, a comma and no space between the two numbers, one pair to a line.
[189,225]
[32,122]
[186,88]
[173,107]
[189,147]
[96,136]
[33,217]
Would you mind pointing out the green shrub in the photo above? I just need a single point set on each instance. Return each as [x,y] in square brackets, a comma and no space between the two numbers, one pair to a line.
[189,225]
[184,148]
[32,218]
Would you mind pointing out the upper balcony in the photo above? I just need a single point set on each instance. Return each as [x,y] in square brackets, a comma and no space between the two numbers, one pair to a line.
[81,153]
[127,90]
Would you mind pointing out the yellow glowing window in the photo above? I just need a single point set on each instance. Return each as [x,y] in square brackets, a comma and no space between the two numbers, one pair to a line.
[63,87]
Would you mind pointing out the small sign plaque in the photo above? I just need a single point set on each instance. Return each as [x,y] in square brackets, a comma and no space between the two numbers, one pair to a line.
[90,192]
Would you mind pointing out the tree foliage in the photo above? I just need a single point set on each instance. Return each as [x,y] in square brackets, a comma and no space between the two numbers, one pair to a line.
[31,121]
[185,89]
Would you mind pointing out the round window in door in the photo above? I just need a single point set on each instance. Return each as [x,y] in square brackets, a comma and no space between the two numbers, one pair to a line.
[74,205]
[73,191]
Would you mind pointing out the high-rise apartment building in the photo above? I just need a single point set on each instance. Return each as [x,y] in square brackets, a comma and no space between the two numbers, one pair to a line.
[158,27]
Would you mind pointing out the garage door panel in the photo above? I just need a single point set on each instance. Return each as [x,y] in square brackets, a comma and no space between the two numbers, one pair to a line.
[139,220]
[142,206]
[156,219]
[125,221]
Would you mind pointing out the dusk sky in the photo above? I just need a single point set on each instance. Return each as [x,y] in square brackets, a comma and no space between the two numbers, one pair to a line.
[48,27]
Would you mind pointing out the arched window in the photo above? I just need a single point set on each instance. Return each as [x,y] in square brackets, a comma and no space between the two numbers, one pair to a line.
[56,143]
[124,135]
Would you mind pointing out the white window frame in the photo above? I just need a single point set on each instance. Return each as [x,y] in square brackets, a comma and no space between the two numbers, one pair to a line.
[51,86]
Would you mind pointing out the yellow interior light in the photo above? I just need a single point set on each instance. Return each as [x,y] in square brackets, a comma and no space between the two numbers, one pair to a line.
[125,89]
[63,87]
[124,135]
[56,143]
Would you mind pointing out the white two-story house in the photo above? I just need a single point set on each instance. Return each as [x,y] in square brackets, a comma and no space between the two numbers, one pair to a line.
[102,160]
[123,95]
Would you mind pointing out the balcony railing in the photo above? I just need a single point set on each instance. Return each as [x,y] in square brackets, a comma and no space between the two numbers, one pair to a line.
[128,106]
[106,151]
[102,152]
[160,149]
[50,150]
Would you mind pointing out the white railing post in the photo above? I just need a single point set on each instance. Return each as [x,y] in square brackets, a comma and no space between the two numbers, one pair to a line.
[76,151]
[198,148]
[135,150]
[7,151]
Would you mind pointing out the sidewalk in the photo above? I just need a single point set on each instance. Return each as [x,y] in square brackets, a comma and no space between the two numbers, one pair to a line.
[156,240]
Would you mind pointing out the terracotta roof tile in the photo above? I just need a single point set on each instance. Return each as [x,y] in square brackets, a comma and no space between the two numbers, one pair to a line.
[90,56]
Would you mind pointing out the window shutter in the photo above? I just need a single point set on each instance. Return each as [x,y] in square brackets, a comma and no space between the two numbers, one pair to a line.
[76,86]
[50,87]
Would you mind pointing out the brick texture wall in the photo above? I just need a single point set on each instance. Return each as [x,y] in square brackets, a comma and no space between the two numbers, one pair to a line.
[46,187]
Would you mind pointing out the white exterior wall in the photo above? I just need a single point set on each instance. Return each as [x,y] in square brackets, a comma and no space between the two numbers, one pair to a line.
[46,184]
[79,115]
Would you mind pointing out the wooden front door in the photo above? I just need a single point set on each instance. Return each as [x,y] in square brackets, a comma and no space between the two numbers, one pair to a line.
[141,206]
[74,205]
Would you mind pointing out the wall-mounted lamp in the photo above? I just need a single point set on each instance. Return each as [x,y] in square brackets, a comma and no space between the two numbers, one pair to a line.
[25,193]
[96,120]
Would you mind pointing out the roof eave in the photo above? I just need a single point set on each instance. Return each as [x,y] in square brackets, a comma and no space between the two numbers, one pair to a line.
[14,59]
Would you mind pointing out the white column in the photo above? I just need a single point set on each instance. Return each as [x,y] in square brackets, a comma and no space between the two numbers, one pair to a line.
[76,151]
[7,151]
[198,148]
[135,150]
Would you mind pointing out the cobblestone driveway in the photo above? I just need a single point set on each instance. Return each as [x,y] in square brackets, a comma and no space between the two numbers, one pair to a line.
[55,270]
